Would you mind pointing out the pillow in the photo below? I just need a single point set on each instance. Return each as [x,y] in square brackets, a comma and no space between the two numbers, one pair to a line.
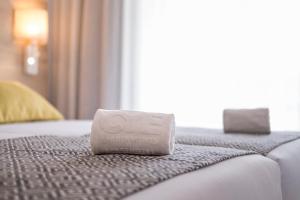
[19,103]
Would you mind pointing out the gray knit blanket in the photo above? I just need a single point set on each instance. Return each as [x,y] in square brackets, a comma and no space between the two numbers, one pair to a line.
[50,167]
[262,144]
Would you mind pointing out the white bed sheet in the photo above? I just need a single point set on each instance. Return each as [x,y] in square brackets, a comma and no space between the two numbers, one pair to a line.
[242,178]
[286,155]
[59,128]
[288,158]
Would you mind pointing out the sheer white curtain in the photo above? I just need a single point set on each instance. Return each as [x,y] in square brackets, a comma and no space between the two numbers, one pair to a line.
[196,57]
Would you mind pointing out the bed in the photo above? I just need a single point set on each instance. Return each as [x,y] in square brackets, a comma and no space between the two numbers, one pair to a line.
[286,155]
[246,177]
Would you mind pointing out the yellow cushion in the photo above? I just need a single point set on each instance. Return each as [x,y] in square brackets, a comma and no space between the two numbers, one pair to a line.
[19,103]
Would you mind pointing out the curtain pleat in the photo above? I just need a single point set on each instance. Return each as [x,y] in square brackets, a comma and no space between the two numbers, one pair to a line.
[84,56]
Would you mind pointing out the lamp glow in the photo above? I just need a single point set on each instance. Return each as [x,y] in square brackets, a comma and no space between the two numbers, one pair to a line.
[31,26]
[31,60]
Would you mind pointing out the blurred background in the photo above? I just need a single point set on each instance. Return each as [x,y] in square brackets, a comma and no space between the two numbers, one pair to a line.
[189,57]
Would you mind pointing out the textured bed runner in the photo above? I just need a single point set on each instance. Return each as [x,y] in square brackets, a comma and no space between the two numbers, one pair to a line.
[261,144]
[50,167]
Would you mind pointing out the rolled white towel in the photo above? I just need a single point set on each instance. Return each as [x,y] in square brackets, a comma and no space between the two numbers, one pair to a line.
[254,121]
[132,132]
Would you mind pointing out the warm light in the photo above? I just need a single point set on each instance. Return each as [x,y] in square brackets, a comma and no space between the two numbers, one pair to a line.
[31,24]
[31,60]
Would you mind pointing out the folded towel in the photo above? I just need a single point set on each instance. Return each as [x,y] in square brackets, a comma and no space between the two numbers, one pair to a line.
[246,121]
[132,132]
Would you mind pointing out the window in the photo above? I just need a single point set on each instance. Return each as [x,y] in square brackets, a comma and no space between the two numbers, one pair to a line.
[196,57]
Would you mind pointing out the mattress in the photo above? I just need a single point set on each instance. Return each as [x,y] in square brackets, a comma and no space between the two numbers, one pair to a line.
[286,155]
[247,177]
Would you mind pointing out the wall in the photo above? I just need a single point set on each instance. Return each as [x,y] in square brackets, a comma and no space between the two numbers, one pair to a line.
[11,54]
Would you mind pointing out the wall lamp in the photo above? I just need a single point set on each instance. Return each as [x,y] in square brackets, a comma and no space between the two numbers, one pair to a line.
[31,28]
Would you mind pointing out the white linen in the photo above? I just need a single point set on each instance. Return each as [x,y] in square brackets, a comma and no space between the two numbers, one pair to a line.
[133,132]
[286,155]
[242,178]
[288,158]
[59,128]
